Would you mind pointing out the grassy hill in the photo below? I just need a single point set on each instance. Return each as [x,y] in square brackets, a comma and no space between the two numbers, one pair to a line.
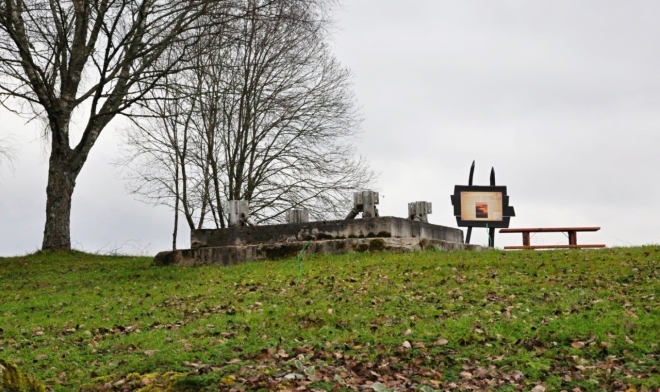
[553,320]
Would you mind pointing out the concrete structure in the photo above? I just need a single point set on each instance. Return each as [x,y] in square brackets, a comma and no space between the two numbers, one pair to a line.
[419,211]
[385,227]
[364,202]
[239,213]
[230,255]
[297,216]
[241,243]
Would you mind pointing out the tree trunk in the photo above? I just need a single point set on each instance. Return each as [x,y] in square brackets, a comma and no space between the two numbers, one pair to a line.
[61,182]
[176,202]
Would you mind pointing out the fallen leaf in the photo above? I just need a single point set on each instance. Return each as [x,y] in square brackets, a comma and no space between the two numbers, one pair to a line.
[517,375]
[378,387]
[310,371]
[481,372]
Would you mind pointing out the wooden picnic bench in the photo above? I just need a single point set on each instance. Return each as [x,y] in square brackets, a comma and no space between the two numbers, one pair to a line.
[572,237]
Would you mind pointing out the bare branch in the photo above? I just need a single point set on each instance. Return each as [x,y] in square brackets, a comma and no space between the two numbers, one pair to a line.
[101,55]
[273,120]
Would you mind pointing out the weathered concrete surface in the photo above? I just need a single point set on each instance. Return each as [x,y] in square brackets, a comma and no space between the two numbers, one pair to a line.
[384,227]
[240,244]
[229,255]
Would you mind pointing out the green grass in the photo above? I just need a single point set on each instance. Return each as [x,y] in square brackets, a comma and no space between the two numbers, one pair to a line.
[435,320]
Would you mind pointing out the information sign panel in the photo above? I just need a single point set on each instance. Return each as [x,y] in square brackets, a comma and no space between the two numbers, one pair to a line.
[482,206]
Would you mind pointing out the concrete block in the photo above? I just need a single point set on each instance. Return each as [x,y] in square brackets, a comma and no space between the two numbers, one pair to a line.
[383,227]
[230,255]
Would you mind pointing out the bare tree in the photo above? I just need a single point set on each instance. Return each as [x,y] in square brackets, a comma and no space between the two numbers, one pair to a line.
[159,157]
[269,117]
[95,56]
[7,152]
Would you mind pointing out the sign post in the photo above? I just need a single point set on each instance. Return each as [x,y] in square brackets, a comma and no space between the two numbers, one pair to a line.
[482,206]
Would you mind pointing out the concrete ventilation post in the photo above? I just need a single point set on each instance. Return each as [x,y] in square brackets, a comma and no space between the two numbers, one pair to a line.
[369,200]
[297,216]
[239,213]
[364,202]
[419,210]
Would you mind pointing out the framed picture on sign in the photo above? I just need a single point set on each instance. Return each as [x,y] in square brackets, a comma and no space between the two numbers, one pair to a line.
[481,206]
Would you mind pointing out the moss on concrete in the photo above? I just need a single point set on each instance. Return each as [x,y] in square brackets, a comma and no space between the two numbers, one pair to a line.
[12,380]
[377,245]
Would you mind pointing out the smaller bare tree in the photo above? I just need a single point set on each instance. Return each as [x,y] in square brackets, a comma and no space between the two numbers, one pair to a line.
[266,114]
[161,143]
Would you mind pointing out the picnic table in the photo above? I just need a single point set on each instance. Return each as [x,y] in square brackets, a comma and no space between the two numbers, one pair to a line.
[572,237]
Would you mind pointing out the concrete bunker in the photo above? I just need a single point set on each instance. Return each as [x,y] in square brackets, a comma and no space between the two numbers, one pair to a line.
[244,240]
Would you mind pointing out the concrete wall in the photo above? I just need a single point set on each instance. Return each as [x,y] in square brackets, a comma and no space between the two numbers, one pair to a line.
[230,255]
[384,227]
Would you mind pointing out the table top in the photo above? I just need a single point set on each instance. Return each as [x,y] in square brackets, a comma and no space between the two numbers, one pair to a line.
[548,229]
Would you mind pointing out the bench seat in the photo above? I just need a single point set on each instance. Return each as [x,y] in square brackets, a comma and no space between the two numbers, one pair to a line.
[555,246]
[549,229]
[572,237]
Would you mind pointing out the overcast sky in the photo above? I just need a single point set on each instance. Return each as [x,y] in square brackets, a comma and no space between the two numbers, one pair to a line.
[561,97]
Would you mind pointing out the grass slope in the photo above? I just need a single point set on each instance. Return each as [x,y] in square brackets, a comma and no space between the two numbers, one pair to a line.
[497,320]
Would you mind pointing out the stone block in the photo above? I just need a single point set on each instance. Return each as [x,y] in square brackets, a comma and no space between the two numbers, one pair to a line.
[383,227]
[230,255]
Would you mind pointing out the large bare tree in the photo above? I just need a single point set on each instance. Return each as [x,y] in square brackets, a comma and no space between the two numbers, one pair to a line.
[96,57]
[266,115]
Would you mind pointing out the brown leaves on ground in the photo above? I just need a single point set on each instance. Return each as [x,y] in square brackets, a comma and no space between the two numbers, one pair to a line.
[499,321]
[308,368]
